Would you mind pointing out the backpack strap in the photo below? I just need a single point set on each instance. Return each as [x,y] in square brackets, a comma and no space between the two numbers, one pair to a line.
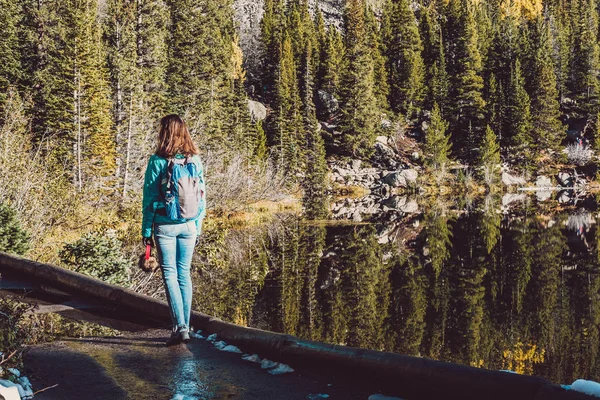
[171,162]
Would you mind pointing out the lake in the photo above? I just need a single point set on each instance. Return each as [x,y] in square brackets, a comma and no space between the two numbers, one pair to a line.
[488,284]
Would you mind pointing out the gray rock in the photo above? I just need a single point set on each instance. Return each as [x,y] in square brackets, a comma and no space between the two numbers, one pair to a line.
[356,164]
[385,155]
[382,140]
[543,181]
[510,180]
[410,175]
[395,179]
[257,110]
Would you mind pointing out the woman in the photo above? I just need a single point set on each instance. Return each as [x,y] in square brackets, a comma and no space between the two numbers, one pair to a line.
[175,238]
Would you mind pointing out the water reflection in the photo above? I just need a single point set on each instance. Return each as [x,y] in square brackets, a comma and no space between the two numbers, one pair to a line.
[518,291]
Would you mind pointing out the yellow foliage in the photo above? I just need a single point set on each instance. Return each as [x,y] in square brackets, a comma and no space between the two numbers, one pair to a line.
[529,9]
[521,358]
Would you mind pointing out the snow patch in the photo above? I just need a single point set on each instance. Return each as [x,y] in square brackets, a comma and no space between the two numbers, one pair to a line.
[252,358]
[588,387]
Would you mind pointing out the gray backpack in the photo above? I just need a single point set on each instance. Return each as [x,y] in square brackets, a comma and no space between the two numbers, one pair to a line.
[184,197]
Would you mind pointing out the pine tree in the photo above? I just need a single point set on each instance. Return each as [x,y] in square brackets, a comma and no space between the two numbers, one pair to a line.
[584,83]
[547,130]
[333,61]
[10,63]
[315,181]
[380,75]
[435,60]
[285,130]
[404,47]
[518,109]
[489,157]
[495,104]
[437,145]
[321,33]
[359,116]
[135,37]
[272,27]
[199,67]
[238,124]
[466,84]
[72,99]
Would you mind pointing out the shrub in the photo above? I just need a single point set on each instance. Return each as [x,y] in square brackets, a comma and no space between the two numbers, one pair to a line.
[99,256]
[13,239]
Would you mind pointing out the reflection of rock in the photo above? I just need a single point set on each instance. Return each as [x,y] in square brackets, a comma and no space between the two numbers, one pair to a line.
[543,195]
[513,198]
[565,197]
[510,180]
[543,181]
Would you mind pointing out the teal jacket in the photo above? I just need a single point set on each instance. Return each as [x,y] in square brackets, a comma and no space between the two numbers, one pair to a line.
[155,185]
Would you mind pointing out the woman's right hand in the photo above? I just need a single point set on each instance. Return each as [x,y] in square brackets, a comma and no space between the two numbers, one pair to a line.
[148,241]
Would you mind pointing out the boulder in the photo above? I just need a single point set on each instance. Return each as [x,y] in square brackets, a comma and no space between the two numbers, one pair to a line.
[410,175]
[257,110]
[510,180]
[395,179]
[382,140]
[509,198]
[385,155]
[356,165]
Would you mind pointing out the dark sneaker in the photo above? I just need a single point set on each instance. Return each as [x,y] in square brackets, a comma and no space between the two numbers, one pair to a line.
[184,336]
[175,339]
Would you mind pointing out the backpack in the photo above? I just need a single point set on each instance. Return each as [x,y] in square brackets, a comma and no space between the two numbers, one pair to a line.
[184,196]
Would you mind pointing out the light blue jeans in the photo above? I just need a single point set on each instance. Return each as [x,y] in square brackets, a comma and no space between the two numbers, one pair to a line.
[175,244]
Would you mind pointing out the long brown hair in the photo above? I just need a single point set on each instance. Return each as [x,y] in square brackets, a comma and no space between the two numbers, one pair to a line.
[174,137]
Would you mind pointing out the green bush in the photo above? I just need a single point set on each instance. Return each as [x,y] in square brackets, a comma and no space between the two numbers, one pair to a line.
[13,239]
[99,256]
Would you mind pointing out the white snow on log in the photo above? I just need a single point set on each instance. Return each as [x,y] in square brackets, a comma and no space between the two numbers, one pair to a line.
[212,337]
[266,364]
[231,349]
[588,387]
[281,369]
[252,358]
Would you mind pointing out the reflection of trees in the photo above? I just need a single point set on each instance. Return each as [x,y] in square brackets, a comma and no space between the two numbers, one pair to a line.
[362,278]
[230,270]
[479,289]
[409,303]
[312,243]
